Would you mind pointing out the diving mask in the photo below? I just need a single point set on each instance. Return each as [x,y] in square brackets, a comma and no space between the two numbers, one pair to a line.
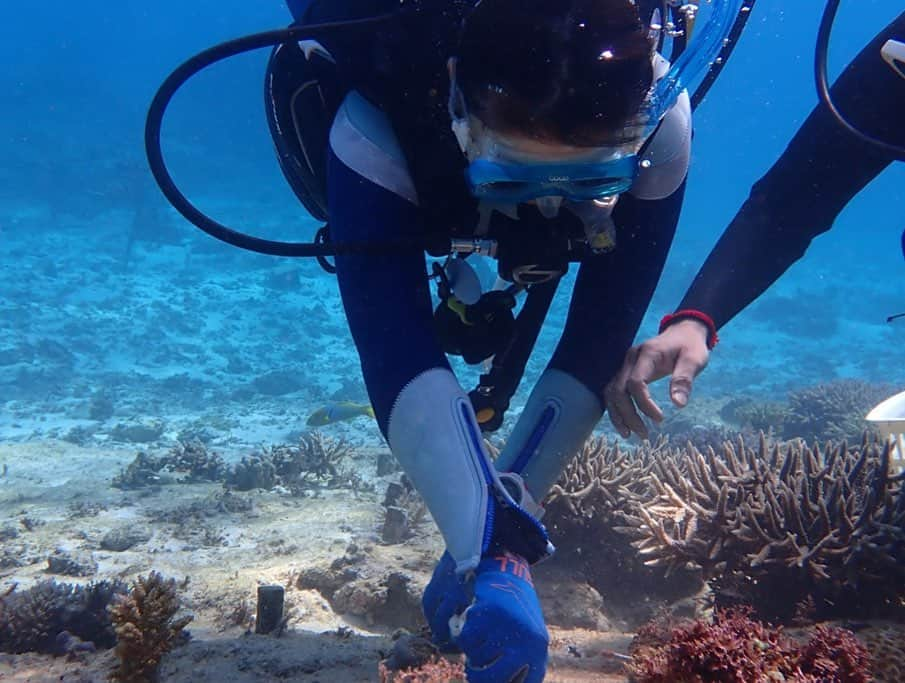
[494,175]
[498,171]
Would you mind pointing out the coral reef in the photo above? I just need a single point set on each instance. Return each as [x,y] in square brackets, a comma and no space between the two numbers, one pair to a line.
[834,410]
[598,488]
[193,458]
[140,431]
[701,424]
[146,628]
[760,416]
[828,411]
[438,670]
[189,457]
[252,472]
[68,563]
[316,461]
[734,648]
[122,538]
[32,620]
[774,527]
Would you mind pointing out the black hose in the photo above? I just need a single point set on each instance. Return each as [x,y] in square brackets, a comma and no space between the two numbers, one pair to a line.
[321,247]
[823,88]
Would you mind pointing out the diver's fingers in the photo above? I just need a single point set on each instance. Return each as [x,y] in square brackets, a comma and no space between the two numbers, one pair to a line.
[618,402]
[615,412]
[688,365]
[647,369]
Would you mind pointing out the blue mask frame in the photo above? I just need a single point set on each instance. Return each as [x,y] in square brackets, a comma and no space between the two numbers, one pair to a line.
[513,182]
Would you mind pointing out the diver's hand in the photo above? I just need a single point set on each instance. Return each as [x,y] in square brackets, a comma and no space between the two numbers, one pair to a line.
[503,635]
[680,350]
[443,599]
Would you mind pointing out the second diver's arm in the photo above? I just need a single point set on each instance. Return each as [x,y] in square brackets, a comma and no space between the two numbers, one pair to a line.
[799,198]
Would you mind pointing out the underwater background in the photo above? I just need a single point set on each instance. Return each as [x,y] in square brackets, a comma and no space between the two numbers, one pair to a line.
[125,329]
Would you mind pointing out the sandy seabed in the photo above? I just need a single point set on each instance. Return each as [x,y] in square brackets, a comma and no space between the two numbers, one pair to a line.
[59,496]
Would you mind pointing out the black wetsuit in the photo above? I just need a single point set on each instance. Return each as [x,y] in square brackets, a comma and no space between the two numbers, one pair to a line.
[800,197]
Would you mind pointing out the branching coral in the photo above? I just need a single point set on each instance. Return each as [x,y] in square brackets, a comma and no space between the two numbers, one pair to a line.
[601,479]
[143,471]
[193,458]
[834,410]
[31,621]
[829,411]
[796,531]
[736,649]
[315,460]
[774,526]
[146,627]
[599,487]
[190,457]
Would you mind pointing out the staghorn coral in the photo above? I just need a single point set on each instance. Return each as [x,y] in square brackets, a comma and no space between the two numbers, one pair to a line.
[32,620]
[598,488]
[145,627]
[601,479]
[193,458]
[777,527]
[315,460]
[736,649]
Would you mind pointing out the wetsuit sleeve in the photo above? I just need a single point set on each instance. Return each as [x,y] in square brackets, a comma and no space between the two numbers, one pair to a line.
[386,296]
[800,197]
[613,290]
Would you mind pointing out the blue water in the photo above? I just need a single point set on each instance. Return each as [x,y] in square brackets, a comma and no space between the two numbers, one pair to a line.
[75,85]
[118,319]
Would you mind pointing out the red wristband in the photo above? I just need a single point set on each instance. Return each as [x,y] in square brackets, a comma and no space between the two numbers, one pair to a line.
[691,314]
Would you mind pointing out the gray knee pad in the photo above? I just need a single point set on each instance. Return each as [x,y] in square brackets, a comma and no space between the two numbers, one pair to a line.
[436,438]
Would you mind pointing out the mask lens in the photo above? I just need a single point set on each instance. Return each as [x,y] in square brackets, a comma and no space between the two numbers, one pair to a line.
[519,182]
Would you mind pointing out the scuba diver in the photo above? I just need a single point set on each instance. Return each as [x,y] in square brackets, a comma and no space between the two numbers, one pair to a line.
[522,131]
[852,135]
[539,133]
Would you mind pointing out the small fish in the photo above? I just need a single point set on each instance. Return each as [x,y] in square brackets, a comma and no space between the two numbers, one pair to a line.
[338,412]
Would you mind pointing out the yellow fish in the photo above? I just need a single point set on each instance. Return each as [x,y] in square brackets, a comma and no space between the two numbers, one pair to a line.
[338,412]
